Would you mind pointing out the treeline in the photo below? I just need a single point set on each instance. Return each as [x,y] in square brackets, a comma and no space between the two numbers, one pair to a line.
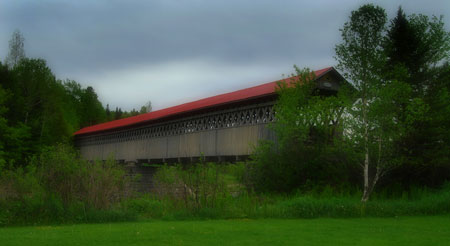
[386,134]
[119,114]
[37,109]
[389,129]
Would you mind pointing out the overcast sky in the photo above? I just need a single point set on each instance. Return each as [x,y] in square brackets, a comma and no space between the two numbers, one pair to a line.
[174,51]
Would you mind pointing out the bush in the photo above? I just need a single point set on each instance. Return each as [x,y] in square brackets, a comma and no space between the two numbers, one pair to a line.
[308,206]
[59,187]
[97,192]
[200,185]
[97,184]
[283,170]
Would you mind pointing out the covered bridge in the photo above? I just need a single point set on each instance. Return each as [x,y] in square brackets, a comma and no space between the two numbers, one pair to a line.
[222,127]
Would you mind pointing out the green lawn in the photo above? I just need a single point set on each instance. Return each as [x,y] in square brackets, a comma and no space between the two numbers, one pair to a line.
[432,230]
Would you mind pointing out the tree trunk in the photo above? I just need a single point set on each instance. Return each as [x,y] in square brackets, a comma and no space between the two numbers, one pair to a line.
[366,193]
[368,188]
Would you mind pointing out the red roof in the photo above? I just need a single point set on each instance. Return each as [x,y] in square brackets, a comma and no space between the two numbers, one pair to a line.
[235,96]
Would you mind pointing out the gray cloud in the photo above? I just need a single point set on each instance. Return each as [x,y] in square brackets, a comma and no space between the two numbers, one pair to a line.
[113,44]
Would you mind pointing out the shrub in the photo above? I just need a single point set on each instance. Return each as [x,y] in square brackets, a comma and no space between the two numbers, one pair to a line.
[199,185]
[283,170]
[97,184]
[58,187]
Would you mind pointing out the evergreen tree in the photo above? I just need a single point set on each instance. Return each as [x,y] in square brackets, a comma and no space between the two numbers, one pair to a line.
[108,113]
[92,110]
[118,113]
[419,46]
[416,44]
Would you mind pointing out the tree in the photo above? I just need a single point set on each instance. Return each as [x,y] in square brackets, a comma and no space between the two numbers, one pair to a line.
[92,110]
[108,113]
[434,40]
[33,78]
[13,137]
[118,113]
[416,44]
[147,108]
[419,47]
[16,49]
[36,109]
[3,127]
[133,112]
[361,58]
[309,149]
[42,110]
[400,46]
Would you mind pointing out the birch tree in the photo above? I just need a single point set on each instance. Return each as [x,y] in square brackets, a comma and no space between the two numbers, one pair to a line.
[16,49]
[360,57]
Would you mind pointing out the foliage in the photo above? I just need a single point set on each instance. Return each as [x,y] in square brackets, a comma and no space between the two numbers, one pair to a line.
[395,123]
[59,187]
[324,203]
[392,126]
[420,46]
[3,127]
[97,193]
[383,110]
[37,109]
[360,55]
[92,110]
[302,108]
[310,149]
[87,107]
[97,184]
[12,138]
[200,185]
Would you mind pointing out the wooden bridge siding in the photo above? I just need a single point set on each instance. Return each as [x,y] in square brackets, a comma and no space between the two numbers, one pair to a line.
[193,135]
[233,141]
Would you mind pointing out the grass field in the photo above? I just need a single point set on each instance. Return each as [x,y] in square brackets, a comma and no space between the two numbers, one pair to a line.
[430,230]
